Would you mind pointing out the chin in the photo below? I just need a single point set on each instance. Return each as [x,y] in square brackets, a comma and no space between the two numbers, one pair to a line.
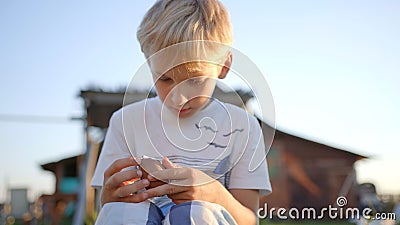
[186,115]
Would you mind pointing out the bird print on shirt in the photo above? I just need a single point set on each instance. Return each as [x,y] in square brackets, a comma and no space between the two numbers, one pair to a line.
[206,128]
[230,133]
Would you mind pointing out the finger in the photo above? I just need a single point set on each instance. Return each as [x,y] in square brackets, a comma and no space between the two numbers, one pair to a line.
[170,174]
[135,198]
[120,177]
[168,164]
[181,197]
[128,190]
[181,176]
[118,165]
[165,189]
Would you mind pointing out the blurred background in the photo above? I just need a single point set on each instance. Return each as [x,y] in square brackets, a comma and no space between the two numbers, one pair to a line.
[332,66]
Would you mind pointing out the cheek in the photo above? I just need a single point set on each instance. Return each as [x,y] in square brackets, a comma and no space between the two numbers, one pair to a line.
[162,90]
[199,101]
[205,89]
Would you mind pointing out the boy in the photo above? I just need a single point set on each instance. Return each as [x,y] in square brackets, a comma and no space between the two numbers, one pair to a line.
[206,146]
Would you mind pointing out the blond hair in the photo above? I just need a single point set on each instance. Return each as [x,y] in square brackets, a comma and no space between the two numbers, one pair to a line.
[170,22]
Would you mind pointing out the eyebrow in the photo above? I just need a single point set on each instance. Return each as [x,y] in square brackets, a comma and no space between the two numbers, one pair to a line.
[196,74]
[157,74]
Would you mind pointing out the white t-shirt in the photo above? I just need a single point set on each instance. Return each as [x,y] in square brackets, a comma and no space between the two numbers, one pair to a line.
[222,140]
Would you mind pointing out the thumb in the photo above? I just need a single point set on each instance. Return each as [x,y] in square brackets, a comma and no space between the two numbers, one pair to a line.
[168,164]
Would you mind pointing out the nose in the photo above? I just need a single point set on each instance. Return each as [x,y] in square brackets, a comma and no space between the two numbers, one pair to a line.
[177,96]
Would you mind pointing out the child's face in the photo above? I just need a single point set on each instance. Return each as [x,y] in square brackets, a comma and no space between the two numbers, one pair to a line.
[184,92]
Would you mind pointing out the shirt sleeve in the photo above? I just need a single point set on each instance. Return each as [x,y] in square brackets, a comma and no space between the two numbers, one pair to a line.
[251,171]
[114,148]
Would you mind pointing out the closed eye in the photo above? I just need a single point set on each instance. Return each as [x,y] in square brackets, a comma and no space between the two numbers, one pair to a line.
[164,78]
[196,81]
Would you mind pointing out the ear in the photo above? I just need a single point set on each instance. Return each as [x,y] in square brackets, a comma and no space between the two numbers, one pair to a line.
[226,67]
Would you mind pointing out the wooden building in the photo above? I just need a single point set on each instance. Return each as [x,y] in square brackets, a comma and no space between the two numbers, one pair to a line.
[305,173]
[66,172]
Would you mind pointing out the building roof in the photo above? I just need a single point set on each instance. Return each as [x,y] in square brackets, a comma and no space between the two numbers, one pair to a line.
[282,134]
[51,166]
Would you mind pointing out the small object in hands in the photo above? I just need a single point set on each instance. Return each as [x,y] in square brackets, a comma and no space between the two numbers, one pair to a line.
[148,166]
[131,181]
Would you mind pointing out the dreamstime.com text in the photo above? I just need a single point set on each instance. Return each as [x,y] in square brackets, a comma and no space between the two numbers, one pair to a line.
[331,212]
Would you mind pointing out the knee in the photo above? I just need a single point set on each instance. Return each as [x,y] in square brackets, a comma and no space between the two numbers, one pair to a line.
[129,213]
[198,212]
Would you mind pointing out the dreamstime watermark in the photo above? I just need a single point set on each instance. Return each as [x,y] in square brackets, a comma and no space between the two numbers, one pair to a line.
[331,212]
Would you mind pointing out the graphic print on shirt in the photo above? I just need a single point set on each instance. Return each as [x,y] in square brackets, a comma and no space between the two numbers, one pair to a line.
[206,128]
[218,169]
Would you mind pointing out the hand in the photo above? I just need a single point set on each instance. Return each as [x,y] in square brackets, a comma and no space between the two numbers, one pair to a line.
[122,185]
[185,184]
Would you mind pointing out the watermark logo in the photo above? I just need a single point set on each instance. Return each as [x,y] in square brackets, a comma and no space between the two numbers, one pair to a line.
[332,212]
[341,201]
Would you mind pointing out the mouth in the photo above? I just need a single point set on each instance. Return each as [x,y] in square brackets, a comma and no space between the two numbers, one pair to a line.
[182,111]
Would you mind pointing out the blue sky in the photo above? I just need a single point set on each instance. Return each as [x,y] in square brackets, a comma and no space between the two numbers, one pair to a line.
[332,66]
